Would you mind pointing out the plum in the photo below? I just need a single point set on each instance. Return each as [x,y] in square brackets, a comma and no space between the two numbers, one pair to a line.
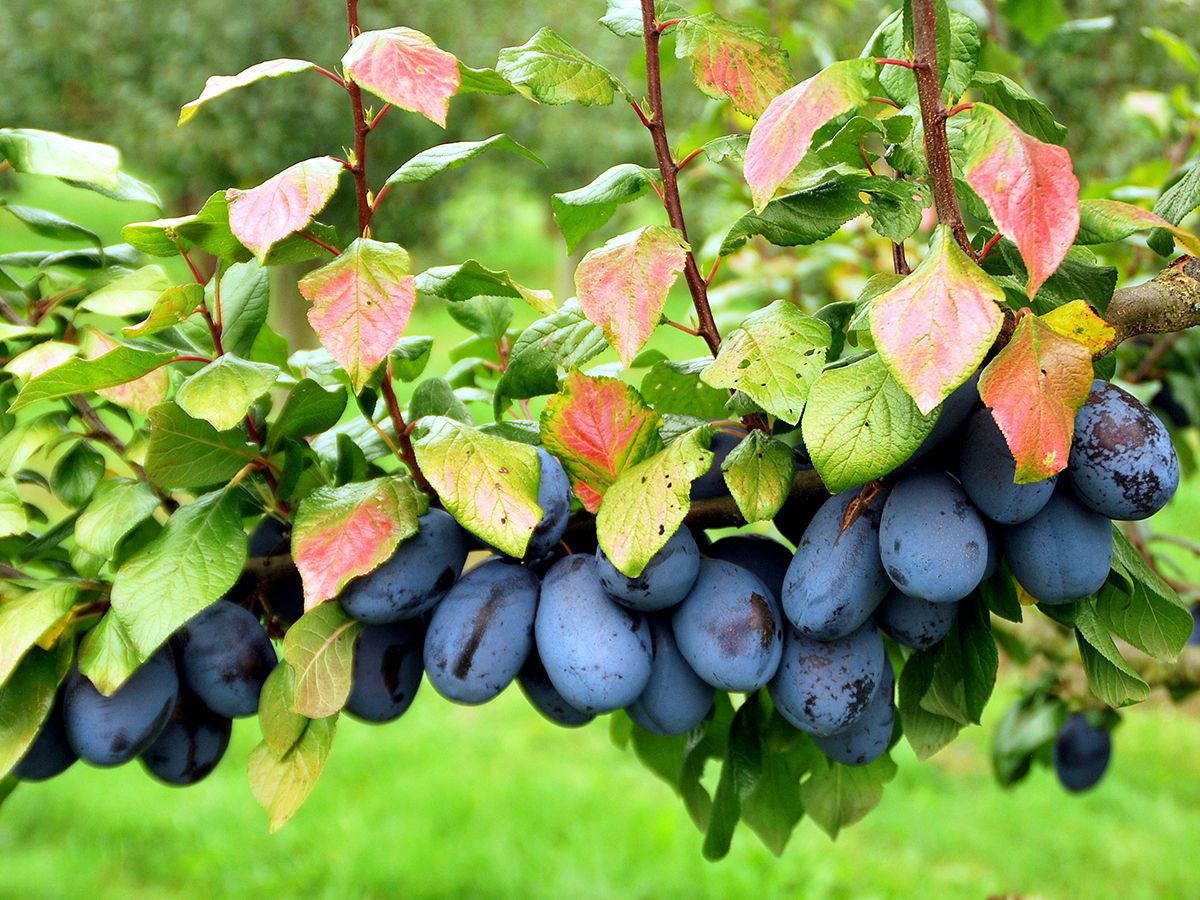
[764,556]
[1061,554]
[1081,753]
[387,670]
[987,469]
[416,577]
[867,737]
[1122,464]
[224,657]
[836,579]
[711,484]
[676,699]
[50,754]
[914,622]
[597,653]
[554,497]
[545,698]
[189,748]
[481,632]
[729,628]
[665,581]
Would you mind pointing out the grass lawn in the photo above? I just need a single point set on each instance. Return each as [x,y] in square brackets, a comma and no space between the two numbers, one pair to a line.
[495,802]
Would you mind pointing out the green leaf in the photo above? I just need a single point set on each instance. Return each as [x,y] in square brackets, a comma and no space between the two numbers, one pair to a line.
[759,473]
[411,354]
[1036,20]
[24,619]
[965,671]
[1033,116]
[245,299]
[47,153]
[186,452]
[561,341]
[473,279]
[740,774]
[835,795]
[172,307]
[13,518]
[647,503]
[549,70]
[958,48]
[488,317]
[221,392]
[861,424]
[28,438]
[320,649]
[1029,726]
[281,783]
[482,81]
[487,483]
[79,376]
[583,210]
[76,474]
[107,655]
[120,505]
[675,386]
[435,397]
[804,217]
[130,295]
[1109,676]
[217,85]
[624,17]
[281,726]
[1176,202]
[51,225]
[128,188]
[1150,615]
[438,159]
[734,61]
[927,732]
[189,566]
[308,409]
[773,357]
[25,701]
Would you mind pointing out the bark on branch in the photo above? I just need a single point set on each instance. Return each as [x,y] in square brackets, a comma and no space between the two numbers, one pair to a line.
[1170,301]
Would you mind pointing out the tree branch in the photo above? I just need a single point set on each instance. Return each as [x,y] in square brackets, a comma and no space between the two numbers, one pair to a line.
[933,118]
[1170,301]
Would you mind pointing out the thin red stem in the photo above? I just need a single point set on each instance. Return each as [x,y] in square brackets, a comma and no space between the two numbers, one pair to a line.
[888,61]
[862,151]
[330,75]
[712,273]
[687,159]
[692,331]
[663,26]
[312,238]
[186,359]
[379,198]
[196,274]
[378,117]
[641,115]
[361,130]
[955,110]
[217,298]
[404,433]
[987,248]
[886,101]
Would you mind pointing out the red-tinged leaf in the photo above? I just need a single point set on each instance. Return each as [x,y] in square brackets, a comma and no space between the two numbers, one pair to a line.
[734,61]
[223,84]
[1029,187]
[1034,387]
[361,304]
[343,532]
[934,328]
[140,395]
[1079,322]
[623,286]
[406,68]
[40,359]
[263,216]
[782,136]
[1101,221]
[598,428]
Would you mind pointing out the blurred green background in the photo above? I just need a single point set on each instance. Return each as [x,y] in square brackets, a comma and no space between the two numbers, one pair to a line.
[494,801]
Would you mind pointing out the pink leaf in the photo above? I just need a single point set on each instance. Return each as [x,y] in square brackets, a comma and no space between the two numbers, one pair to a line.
[623,285]
[406,69]
[217,85]
[263,216]
[1029,187]
[347,531]
[733,60]
[782,136]
[598,428]
[361,303]
[1035,385]
[142,394]
[934,328]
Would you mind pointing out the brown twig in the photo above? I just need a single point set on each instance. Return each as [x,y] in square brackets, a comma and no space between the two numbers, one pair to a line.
[404,433]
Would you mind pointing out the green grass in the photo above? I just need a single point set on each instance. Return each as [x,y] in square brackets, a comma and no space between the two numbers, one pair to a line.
[495,802]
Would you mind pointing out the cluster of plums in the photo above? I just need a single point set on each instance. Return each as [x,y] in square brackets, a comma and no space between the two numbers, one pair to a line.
[736,615]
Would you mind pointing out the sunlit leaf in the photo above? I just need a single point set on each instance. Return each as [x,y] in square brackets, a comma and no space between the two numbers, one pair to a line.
[405,68]
[262,216]
[734,61]
[217,85]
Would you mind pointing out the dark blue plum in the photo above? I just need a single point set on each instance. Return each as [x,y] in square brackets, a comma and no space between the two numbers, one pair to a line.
[932,541]
[481,632]
[597,653]
[987,469]
[417,576]
[387,671]
[955,410]
[1194,640]
[824,686]
[794,516]
[676,699]
[1123,464]
[554,497]
[111,731]
[1081,753]
[993,554]
[225,657]
[914,622]
[545,698]
[50,754]
[729,628]
[269,538]
[284,596]
[191,745]
[836,579]
[1061,554]
[867,737]
[762,555]
[665,581]
[711,484]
